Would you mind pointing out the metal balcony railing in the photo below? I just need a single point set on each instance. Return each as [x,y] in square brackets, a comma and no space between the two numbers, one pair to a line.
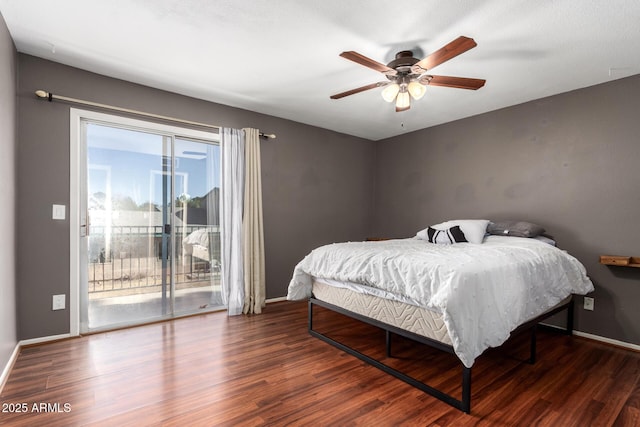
[128,260]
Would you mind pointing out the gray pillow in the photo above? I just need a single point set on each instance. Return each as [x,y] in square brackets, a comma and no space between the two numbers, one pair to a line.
[514,228]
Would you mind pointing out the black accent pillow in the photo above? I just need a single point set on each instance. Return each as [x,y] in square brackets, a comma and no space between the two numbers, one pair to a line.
[446,237]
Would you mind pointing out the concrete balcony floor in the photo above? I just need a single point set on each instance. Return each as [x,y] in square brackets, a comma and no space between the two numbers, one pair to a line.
[119,299]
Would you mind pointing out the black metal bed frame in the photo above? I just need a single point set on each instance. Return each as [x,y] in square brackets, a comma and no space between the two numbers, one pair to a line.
[463,404]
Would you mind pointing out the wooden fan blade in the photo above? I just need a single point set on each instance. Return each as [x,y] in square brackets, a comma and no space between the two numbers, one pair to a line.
[458,82]
[368,62]
[358,90]
[451,50]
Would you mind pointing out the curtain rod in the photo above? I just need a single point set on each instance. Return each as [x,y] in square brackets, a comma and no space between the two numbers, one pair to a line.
[50,97]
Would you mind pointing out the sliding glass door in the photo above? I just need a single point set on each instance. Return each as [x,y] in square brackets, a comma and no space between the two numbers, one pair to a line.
[150,238]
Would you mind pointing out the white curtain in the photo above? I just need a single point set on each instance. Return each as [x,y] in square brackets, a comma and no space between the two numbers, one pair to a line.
[243,271]
[232,200]
[252,229]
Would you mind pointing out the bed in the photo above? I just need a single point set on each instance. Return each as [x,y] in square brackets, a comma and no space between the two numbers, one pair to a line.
[463,297]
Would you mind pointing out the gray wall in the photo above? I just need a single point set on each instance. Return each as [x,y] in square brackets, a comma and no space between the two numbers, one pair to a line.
[317,184]
[8,61]
[568,162]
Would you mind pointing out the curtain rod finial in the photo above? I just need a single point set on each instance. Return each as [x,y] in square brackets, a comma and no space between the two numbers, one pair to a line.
[269,135]
[44,94]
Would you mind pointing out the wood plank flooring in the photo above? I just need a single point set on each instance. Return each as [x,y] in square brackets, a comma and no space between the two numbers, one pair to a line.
[213,370]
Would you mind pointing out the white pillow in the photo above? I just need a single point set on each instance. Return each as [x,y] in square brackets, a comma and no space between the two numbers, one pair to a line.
[474,229]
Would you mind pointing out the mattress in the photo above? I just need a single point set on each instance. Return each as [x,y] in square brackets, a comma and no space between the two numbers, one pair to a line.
[409,317]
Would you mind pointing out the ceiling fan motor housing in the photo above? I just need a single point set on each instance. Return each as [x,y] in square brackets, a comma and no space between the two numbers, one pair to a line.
[403,64]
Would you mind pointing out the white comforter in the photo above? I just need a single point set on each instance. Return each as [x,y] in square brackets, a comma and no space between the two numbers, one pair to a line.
[483,291]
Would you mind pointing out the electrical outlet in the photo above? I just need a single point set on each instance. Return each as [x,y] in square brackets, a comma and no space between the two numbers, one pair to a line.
[588,303]
[59,302]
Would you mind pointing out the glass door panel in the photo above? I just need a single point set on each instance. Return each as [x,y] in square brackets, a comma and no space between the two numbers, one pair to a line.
[197,225]
[129,233]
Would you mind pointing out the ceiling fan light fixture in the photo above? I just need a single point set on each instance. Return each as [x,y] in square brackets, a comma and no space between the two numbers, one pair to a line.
[403,101]
[416,90]
[390,92]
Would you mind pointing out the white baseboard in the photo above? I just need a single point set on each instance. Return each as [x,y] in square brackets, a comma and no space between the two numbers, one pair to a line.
[41,340]
[9,366]
[598,338]
[278,299]
[623,344]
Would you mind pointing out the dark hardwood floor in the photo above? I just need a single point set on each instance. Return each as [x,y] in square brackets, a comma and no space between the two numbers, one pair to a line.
[213,370]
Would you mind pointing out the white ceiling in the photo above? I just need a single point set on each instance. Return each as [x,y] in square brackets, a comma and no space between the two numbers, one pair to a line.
[280,57]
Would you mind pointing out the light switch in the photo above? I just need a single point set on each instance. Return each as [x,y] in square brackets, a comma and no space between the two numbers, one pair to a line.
[59,211]
[59,302]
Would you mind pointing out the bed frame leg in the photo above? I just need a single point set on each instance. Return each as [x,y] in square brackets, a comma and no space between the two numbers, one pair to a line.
[465,403]
[570,313]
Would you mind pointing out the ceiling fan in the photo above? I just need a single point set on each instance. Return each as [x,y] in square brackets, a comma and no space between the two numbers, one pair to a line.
[408,76]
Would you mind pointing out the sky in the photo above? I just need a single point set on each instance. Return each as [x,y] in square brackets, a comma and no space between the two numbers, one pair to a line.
[129,163]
